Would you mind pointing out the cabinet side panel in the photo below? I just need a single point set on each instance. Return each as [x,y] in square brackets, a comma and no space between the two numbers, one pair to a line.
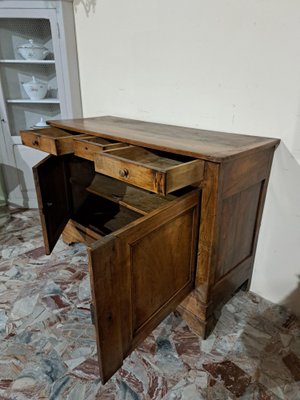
[237,228]
[243,191]
[244,172]
[242,208]
[232,205]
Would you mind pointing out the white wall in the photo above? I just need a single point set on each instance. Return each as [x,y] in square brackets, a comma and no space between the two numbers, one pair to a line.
[229,65]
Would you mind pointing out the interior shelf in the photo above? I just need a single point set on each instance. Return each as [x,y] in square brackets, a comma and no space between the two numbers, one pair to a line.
[131,197]
[27,62]
[29,101]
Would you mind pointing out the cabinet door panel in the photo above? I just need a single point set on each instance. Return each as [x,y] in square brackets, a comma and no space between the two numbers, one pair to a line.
[53,193]
[105,277]
[139,275]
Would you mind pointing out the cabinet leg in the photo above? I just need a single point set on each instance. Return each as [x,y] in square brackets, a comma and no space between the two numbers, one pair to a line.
[195,324]
[245,286]
[67,238]
[196,314]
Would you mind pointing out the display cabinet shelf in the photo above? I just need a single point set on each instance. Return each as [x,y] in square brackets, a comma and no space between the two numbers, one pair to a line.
[29,101]
[42,62]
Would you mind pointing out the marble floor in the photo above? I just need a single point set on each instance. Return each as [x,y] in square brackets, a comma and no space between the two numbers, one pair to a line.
[48,349]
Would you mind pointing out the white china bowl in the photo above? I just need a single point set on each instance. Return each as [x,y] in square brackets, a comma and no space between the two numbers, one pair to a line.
[35,90]
[33,51]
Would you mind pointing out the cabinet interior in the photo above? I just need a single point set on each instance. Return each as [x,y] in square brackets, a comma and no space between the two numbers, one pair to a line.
[97,141]
[103,205]
[103,216]
[149,158]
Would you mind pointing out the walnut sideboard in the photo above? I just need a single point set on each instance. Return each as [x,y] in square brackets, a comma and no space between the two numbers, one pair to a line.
[170,216]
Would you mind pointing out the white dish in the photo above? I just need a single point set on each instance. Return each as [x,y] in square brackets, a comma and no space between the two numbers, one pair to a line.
[35,89]
[33,51]
[41,124]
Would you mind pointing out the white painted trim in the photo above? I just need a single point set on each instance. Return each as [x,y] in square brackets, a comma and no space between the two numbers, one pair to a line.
[29,101]
[27,62]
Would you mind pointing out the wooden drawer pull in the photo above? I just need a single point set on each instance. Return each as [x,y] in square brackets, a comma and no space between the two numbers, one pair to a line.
[35,142]
[123,173]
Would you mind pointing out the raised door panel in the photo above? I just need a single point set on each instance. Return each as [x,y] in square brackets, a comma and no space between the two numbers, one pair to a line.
[140,274]
[53,193]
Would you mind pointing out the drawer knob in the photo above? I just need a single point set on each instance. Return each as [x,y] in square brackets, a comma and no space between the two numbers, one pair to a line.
[35,142]
[123,172]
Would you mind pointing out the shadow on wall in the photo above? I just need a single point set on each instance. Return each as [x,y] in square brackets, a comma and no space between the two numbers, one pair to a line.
[88,5]
[292,301]
[285,239]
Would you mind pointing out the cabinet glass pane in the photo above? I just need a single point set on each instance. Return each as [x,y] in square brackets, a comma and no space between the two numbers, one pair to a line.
[25,116]
[14,75]
[24,110]
[17,31]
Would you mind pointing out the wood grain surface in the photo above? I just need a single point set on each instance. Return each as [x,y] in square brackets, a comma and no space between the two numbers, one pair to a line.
[140,274]
[209,145]
[145,266]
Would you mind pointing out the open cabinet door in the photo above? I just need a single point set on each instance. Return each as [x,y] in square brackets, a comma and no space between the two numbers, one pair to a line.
[140,274]
[53,194]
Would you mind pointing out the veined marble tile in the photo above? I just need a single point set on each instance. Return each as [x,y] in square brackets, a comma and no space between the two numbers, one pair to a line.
[48,342]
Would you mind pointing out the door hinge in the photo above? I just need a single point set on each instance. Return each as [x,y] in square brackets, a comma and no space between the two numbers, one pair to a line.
[92,308]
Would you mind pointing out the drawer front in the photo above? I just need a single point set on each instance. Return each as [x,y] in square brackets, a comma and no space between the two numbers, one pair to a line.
[38,142]
[50,140]
[137,175]
[87,147]
[148,169]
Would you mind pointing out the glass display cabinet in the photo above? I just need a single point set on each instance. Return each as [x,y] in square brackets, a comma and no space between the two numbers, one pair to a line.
[39,81]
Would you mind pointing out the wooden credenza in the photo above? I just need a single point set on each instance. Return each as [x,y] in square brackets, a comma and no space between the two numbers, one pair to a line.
[170,216]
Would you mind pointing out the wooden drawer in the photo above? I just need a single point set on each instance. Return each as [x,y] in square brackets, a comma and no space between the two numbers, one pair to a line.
[152,170]
[87,147]
[51,140]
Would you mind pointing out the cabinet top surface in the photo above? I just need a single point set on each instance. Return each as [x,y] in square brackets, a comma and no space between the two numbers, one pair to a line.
[209,145]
